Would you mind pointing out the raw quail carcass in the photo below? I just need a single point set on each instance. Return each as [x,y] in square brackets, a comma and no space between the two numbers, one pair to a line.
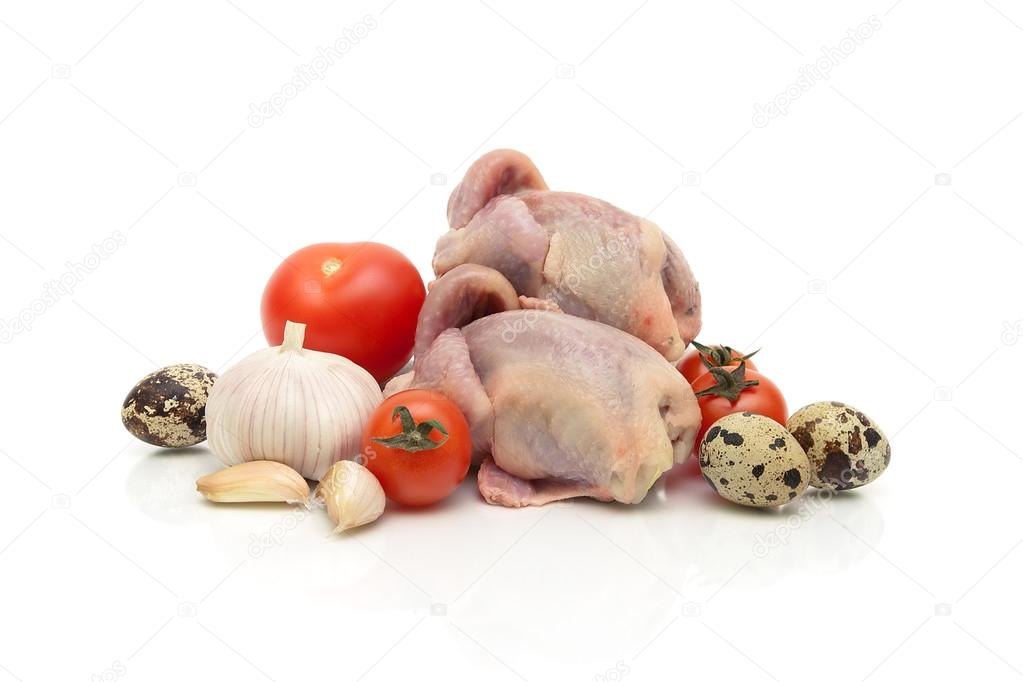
[559,406]
[585,256]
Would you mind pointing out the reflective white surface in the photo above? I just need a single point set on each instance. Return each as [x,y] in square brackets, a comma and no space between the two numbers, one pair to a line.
[141,570]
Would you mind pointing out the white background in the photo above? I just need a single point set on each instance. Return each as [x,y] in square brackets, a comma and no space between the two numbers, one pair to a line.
[829,237]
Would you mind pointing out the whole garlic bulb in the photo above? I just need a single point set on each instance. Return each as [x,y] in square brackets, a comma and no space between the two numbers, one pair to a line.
[291,405]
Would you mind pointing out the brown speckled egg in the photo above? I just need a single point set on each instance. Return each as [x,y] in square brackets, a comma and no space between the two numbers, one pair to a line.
[846,448]
[752,460]
[168,407]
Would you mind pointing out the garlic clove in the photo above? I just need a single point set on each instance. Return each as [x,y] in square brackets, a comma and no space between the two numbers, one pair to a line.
[352,494]
[259,481]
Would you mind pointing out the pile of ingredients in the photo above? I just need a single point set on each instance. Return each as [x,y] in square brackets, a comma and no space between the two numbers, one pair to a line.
[550,356]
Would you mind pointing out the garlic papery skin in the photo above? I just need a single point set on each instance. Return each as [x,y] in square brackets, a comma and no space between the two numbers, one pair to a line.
[288,404]
[352,494]
[261,481]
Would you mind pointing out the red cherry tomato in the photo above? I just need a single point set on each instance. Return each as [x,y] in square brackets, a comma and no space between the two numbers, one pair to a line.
[417,444]
[718,386]
[692,366]
[359,300]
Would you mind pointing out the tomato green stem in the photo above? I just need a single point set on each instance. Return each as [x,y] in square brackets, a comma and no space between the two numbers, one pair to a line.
[413,437]
[728,384]
[719,356]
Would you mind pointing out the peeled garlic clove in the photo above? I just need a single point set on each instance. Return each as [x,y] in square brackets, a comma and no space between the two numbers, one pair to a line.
[259,481]
[352,494]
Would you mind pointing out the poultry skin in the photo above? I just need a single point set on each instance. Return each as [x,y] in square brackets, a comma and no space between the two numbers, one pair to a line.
[559,406]
[583,255]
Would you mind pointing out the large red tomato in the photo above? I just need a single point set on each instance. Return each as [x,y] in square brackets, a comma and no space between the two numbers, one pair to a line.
[725,390]
[359,300]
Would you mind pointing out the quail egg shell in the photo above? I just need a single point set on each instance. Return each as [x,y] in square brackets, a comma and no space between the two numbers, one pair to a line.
[168,407]
[846,448]
[752,460]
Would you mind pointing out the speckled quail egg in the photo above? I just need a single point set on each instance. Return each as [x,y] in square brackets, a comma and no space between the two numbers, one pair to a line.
[752,460]
[168,407]
[846,448]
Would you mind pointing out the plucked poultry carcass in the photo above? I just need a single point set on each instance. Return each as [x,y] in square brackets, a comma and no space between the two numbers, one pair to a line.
[585,256]
[559,406]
